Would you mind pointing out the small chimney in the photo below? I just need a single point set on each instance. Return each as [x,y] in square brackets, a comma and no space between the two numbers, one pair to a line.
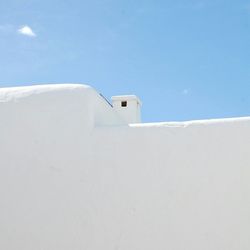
[128,107]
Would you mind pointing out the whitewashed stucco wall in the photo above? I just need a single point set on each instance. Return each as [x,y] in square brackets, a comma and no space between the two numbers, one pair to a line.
[73,177]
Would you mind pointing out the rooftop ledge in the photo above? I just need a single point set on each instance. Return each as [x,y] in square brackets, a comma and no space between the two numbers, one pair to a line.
[183,124]
[9,93]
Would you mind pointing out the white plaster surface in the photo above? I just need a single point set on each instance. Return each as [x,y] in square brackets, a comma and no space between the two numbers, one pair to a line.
[131,113]
[72,177]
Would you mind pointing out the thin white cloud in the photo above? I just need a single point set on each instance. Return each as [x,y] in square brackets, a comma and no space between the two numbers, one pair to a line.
[185,91]
[26,31]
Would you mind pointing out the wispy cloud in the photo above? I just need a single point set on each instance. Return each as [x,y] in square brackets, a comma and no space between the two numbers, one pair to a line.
[26,31]
[185,91]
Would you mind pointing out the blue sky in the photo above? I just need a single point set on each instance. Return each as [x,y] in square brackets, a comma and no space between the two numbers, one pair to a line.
[184,59]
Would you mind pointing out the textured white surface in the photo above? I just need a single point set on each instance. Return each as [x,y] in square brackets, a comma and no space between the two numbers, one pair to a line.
[71,177]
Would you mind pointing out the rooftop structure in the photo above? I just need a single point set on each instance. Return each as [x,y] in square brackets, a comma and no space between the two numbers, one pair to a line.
[128,107]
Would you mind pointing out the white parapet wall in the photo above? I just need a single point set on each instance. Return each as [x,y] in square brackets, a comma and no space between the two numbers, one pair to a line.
[74,176]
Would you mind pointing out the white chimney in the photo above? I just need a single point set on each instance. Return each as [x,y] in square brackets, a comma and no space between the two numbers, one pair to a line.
[128,107]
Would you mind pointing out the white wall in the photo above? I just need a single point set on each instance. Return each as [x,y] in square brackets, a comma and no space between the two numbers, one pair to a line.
[71,177]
